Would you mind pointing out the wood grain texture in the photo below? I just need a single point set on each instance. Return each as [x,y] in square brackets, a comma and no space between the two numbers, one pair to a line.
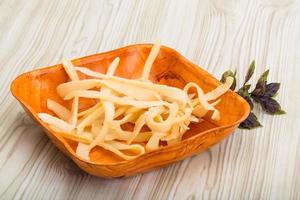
[261,164]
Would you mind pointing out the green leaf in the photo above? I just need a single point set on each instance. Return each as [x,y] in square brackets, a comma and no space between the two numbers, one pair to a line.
[244,92]
[264,76]
[280,112]
[250,72]
[260,87]
[231,74]
[250,123]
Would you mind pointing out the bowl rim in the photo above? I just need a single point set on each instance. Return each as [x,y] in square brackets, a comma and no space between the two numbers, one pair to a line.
[148,154]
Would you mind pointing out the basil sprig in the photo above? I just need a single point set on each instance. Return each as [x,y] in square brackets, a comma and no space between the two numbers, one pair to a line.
[263,95]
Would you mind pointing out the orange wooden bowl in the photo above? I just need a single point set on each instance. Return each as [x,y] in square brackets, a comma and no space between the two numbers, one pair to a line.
[32,89]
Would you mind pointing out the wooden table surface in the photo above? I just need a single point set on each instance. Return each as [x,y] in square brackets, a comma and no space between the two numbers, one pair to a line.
[216,34]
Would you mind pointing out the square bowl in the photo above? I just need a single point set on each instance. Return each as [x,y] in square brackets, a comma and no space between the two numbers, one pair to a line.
[32,89]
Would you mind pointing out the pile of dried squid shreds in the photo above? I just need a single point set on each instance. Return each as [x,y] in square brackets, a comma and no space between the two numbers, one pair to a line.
[156,112]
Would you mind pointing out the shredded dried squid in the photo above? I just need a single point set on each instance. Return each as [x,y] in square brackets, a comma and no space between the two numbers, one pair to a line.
[155,112]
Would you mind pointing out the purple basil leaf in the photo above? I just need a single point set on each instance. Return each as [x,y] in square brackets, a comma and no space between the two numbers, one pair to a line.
[260,87]
[271,89]
[270,105]
[256,98]
[250,123]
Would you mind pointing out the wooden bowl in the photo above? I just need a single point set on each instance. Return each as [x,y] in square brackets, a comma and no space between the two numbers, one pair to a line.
[32,89]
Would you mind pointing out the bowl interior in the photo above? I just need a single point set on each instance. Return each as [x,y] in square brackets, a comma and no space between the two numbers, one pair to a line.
[32,89]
